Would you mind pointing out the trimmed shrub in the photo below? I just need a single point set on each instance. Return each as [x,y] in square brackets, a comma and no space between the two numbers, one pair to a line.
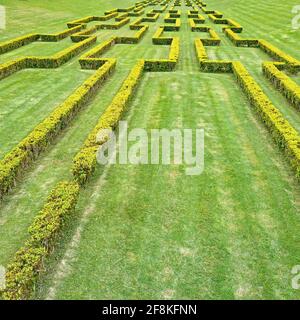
[293,65]
[18,42]
[27,264]
[282,82]
[84,162]
[283,133]
[15,162]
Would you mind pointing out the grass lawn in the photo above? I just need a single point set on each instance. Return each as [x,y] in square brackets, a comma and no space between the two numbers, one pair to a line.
[151,231]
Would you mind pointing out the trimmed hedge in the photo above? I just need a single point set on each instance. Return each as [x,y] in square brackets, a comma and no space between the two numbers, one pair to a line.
[293,65]
[59,35]
[136,38]
[289,88]
[61,57]
[165,64]
[116,25]
[158,39]
[84,162]
[27,264]
[18,42]
[15,162]
[207,65]
[238,41]
[54,61]
[283,133]
[8,68]
[175,27]
[80,36]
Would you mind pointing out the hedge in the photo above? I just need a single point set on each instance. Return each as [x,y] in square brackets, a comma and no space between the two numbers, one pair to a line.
[54,61]
[174,27]
[84,162]
[165,64]
[15,162]
[207,65]
[158,39]
[282,82]
[18,42]
[90,60]
[238,41]
[136,38]
[60,35]
[283,133]
[28,262]
[80,36]
[116,25]
[61,57]
[293,65]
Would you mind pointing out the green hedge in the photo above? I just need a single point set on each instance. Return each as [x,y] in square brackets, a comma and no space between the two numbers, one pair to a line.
[18,42]
[293,65]
[289,88]
[238,41]
[28,262]
[283,133]
[60,35]
[84,162]
[15,162]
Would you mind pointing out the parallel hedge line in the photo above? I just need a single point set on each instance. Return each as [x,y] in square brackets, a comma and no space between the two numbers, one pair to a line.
[28,261]
[84,162]
[293,64]
[283,133]
[15,162]
[282,82]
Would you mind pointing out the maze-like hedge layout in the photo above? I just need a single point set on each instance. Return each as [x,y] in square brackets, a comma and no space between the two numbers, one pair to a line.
[94,54]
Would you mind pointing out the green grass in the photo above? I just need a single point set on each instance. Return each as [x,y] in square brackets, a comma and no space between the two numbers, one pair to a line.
[151,231]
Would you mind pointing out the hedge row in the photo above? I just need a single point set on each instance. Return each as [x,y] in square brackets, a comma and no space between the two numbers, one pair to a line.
[61,57]
[151,18]
[136,38]
[60,35]
[234,26]
[91,60]
[165,64]
[8,68]
[175,27]
[18,42]
[283,133]
[136,13]
[15,162]
[122,16]
[116,25]
[207,65]
[84,162]
[54,61]
[238,41]
[82,35]
[283,83]
[293,65]
[29,260]
[158,39]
